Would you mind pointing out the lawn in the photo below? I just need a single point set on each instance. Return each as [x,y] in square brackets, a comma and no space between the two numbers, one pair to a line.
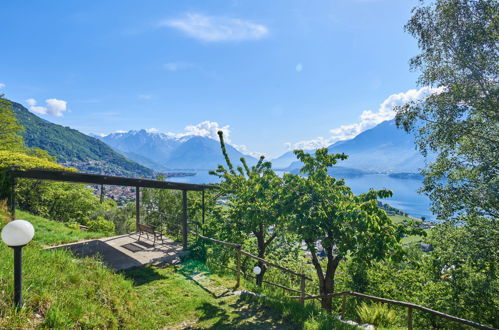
[53,233]
[61,291]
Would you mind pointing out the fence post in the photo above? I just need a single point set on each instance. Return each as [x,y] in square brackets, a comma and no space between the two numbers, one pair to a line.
[409,318]
[184,220]
[343,306]
[137,208]
[302,289]
[238,266]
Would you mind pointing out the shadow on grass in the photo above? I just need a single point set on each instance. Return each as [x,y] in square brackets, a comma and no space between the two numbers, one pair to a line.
[192,268]
[142,275]
[250,314]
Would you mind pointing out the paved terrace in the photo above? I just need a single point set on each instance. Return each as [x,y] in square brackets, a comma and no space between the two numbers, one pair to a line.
[126,251]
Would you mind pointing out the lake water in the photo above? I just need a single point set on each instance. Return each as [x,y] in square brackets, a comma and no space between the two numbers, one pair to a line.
[405,195]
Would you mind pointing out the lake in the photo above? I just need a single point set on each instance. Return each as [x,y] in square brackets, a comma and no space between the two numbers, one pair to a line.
[405,195]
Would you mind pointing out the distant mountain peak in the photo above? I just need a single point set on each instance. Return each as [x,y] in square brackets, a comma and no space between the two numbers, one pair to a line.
[383,148]
[165,151]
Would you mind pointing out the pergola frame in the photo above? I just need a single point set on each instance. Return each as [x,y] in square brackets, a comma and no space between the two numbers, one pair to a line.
[77,177]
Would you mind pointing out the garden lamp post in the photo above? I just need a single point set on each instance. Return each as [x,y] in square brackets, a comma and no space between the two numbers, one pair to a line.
[16,234]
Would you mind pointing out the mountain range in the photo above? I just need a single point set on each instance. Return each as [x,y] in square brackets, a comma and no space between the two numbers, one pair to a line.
[140,153]
[381,149]
[73,148]
[164,152]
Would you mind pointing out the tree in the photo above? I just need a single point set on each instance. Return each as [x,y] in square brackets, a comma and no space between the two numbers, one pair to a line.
[254,206]
[460,121]
[10,130]
[463,268]
[322,210]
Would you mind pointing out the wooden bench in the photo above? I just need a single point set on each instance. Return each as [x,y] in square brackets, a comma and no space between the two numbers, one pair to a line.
[147,229]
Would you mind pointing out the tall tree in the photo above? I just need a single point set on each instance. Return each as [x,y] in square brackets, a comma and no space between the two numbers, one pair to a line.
[322,210]
[10,130]
[253,200]
[460,122]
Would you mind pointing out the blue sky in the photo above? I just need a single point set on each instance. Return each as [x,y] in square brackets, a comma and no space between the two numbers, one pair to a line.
[276,74]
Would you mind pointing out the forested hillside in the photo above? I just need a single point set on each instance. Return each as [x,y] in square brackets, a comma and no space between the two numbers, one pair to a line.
[73,148]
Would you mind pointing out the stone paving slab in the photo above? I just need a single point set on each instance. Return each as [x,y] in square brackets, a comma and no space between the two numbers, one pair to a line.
[127,251]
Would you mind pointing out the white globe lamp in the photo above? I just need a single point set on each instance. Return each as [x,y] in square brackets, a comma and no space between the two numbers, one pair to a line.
[257,270]
[17,234]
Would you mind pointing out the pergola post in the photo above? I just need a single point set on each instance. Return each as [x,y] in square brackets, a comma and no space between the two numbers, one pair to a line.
[137,207]
[184,219]
[202,210]
[101,193]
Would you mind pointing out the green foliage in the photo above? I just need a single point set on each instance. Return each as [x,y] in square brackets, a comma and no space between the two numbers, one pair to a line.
[100,224]
[320,208]
[60,201]
[463,268]
[377,314]
[10,130]
[254,206]
[458,41]
[69,145]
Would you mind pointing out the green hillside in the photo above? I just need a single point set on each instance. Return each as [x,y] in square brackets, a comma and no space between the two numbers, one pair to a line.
[74,148]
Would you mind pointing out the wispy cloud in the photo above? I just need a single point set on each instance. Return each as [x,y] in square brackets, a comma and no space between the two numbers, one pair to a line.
[178,66]
[52,107]
[2,85]
[145,96]
[368,119]
[216,29]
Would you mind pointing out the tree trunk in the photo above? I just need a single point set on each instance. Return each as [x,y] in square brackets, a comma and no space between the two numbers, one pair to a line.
[326,288]
[261,254]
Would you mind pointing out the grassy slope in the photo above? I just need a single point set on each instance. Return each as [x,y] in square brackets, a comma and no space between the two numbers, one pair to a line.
[61,291]
[54,233]
[408,239]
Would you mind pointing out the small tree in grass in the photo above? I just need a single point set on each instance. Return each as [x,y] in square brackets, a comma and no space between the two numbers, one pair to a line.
[323,210]
[254,205]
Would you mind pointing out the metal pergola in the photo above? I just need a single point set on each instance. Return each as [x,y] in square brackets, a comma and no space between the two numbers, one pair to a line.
[76,177]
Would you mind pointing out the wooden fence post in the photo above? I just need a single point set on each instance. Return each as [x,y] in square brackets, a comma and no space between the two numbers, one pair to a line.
[302,289]
[343,306]
[137,208]
[409,318]
[203,211]
[238,266]
[184,219]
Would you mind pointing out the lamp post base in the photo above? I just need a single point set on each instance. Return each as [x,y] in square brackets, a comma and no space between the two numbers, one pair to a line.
[18,276]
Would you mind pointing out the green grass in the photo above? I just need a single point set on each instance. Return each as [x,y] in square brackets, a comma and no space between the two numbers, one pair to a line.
[409,239]
[53,233]
[61,291]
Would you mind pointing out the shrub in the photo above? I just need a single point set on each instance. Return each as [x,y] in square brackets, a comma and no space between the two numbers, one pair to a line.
[101,225]
[377,314]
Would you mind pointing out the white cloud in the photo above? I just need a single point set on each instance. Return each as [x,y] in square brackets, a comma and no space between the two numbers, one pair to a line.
[242,148]
[368,119]
[207,129]
[299,67]
[52,107]
[2,85]
[216,29]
